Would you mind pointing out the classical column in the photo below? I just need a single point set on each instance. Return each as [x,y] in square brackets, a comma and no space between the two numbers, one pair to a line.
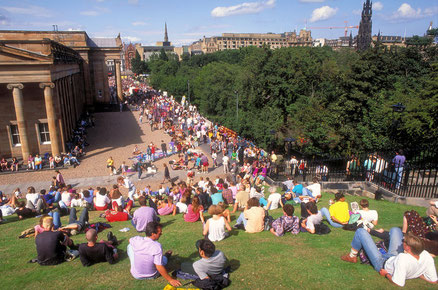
[119,80]
[17,93]
[51,117]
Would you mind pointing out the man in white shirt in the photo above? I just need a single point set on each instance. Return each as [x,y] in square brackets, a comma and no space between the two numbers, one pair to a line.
[225,161]
[34,201]
[406,257]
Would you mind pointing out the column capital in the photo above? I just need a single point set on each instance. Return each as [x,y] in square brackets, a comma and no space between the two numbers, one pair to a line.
[13,86]
[117,61]
[44,85]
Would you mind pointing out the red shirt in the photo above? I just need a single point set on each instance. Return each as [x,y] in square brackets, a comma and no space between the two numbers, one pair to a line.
[114,216]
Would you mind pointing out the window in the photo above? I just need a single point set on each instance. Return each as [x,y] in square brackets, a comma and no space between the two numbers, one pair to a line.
[43,129]
[15,135]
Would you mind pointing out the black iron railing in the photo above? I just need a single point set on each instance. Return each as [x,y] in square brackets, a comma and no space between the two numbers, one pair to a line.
[415,177]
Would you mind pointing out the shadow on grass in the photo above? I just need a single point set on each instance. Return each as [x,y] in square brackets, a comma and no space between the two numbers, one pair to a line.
[167,223]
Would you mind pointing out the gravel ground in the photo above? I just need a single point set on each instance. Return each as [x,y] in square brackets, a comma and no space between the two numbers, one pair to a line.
[115,134]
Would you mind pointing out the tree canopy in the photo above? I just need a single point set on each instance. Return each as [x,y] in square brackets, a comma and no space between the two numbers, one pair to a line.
[331,102]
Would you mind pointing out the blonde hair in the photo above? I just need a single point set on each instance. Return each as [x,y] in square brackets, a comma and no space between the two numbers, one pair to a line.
[47,222]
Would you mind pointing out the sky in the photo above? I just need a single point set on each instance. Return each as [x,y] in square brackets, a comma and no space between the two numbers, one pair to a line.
[142,21]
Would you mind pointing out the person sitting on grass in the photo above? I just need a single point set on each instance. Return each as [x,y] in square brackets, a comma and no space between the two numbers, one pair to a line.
[212,262]
[75,226]
[242,198]
[101,200]
[194,211]
[314,218]
[274,199]
[93,252]
[252,218]
[117,215]
[166,207]
[51,245]
[214,229]
[146,255]
[369,217]
[225,212]
[286,223]
[337,215]
[23,212]
[405,259]
[143,215]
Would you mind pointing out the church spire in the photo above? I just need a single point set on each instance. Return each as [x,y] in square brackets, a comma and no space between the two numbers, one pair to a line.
[365,27]
[166,37]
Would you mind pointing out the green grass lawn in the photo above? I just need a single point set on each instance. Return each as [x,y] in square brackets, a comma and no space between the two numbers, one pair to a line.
[259,261]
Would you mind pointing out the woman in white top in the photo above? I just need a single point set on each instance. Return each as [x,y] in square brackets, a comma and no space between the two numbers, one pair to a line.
[371,217]
[215,226]
[101,200]
[181,205]
[66,198]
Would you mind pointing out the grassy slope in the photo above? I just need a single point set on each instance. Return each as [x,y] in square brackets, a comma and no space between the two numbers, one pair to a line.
[261,261]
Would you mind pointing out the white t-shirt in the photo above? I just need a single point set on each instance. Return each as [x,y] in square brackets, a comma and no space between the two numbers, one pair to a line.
[102,200]
[312,220]
[274,198]
[405,266]
[33,198]
[182,207]
[369,215]
[225,160]
[66,197]
[315,188]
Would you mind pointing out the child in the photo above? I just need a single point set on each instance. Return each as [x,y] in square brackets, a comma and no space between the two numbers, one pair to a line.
[215,226]
[225,212]
[123,168]
[286,223]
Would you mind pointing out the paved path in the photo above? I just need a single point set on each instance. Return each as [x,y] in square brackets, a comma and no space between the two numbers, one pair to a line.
[115,135]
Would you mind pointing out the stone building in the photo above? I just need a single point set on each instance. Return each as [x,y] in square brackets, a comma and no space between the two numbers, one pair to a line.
[47,79]
[240,40]
[128,54]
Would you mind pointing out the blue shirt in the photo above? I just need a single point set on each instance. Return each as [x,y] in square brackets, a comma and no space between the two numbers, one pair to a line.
[216,198]
[399,161]
[298,189]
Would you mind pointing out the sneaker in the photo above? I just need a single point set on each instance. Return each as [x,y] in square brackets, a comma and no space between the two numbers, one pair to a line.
[349,259]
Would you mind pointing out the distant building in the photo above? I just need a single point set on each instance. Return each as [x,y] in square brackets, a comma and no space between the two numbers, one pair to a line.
[390,40]
[147,51]
[240,40]
[365,27]
[128,54]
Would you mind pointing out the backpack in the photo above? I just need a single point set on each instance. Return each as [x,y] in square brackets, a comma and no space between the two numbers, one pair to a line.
[268,220]
[322,229]
[216,282]
[364,258]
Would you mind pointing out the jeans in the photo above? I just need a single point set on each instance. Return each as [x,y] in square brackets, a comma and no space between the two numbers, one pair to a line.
[39,166]
[242,220]
[56,219]
[57,196]
[399,174]
[362,239]
[325,212]
[82,219]
[139,173]
[131,256]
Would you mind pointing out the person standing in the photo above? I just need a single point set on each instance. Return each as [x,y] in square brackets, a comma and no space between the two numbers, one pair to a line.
[399,162]
[166,173]
[225,161]
[164,148]
[110,165]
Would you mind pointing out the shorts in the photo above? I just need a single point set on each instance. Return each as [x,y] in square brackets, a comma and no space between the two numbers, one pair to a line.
[205,164]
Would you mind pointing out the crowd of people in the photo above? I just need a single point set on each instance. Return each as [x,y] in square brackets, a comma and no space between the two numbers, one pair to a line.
[75,149]
[210,202]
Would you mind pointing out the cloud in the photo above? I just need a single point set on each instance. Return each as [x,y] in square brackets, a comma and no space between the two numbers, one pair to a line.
[139,23]
[406,12]
[323,13]
[96,11]
[131,38]
[244,8]
[312,1]
[30,10]
[377,6]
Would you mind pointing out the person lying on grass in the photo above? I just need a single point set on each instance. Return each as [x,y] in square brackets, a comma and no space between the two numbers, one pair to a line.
[405,259]
[93,252]
[286,223]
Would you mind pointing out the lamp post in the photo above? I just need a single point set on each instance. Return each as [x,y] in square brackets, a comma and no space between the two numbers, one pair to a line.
[237,110]
[397,108]
[188,90]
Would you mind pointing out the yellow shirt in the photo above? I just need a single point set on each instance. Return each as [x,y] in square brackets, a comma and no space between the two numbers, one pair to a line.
[339,210]
[110,162]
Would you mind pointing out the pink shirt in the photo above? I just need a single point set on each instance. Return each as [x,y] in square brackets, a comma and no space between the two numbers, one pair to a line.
[147,254]
[191,216]
[38,229]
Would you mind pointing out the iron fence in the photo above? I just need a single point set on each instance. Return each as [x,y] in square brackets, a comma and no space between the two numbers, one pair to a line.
[415,177]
